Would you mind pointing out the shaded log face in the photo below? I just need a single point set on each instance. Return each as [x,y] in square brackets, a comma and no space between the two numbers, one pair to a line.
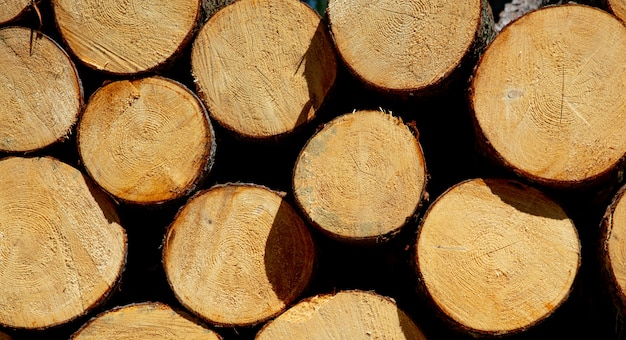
[618,7]
[497,256]
[263,67]
[614,246]
[61,245]
[547,94]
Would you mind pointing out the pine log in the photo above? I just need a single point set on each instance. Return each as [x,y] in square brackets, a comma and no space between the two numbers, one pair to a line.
[152,320]
[547,95]
[496,256]
[263,67]
[146,141]
[237,255]
[409,45]
[343,315]
[40,92]
[613,249]
[12,9]
[126,37]
[62,248]
[618,8]
[361,177]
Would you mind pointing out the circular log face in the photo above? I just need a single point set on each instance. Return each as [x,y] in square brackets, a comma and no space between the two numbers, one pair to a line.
[263,67]
[497,256]
[238,255]
[618,7]
[404,45]
[143,321]
[361,176]
[345,315]
[547,94]
[40,93]
[125,37]
[616,246]
[10,9]
[61,245]
[145,141]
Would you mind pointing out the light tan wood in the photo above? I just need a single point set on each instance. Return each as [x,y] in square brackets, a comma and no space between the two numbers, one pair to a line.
[406,45]
[263,67]
[618,7]
[547,94]
[238,255]
[146,141]
[11,9]
[143,321]
[497,256]
[40,93]
[344,315]
[361,176]
[62,248]
[614,248]
[126,37]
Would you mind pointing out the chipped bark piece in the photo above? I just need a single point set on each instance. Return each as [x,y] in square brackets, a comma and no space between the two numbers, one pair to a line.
[344,315]
[12,9]
[237,255]
[263,67]
[617,7]
[546,95]
[152,320]
[496,256]
[146,141]
[408,46]
[126,37]
[613,249]
[360,177]
[40,93]
[62,248]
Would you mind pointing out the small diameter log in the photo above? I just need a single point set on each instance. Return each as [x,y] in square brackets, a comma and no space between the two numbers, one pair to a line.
[40,92]
[146,141]
[361,177]
[496,256]
[62,248]
[617,7]
[613,248]
[126,37]
[344,315]
[12,9]
[152,320]
[547,95]
[263,67]
[237,255]
[408,45]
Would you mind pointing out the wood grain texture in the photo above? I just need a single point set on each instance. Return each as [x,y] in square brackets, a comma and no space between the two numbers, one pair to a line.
[497,256]
[613,248]
[151,320]
[263,67]
[62,248]
[40,92]
[618,8]
[238,255]
[360,177]
[11,9]
[547,94]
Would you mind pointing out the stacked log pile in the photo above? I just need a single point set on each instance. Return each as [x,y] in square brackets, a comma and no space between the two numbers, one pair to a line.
[253,169]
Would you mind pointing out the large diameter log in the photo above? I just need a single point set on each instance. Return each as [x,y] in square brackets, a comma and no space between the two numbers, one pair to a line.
[263,67]
[146,141]
[62,248]
[40,92]
[617,7]
[238,255]
[152,320]
[12,9]
[613,247]
[409,45]
[344,315]
[126,37]
[361,177]
[496,256]
[547,95]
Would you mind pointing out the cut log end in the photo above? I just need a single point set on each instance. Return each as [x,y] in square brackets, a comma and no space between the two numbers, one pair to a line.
[146,141]
[143,321]
[361,177]
[263,67]
[344,315]
[61,246]
[12,9]
[547,95]
[406,45]
[613,248]
[618,7]
[237,255]
[125,38]
[497,256]
[40,95]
